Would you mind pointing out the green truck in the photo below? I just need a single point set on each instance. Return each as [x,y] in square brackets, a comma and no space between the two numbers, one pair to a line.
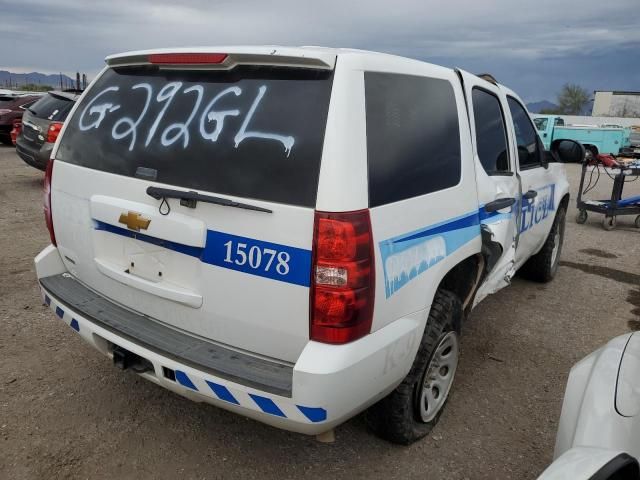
[609,139]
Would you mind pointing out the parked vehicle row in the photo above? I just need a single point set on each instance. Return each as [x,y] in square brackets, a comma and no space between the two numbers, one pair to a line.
[12,108]
[41,124]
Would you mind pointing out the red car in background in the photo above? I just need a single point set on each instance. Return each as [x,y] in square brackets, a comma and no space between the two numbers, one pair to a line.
[12,108]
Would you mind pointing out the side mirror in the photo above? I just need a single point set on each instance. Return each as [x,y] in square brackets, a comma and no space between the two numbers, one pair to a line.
[568,151]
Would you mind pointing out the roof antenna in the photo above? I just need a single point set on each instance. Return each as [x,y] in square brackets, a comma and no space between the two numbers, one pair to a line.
[488,77]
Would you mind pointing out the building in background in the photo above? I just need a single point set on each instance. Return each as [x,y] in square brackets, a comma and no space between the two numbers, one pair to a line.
[616,104]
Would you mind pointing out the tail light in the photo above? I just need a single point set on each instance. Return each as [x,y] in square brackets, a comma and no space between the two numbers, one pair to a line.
[186,58]
[53,132]
[47,200]
[343,283]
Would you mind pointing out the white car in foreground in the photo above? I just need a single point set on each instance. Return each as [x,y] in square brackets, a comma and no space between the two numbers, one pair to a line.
[599,431]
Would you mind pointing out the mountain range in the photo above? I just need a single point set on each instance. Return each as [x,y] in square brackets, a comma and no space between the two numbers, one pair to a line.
[12,79]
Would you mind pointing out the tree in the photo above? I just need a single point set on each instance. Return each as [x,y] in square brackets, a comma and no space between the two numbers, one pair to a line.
[572,99]
[33,87]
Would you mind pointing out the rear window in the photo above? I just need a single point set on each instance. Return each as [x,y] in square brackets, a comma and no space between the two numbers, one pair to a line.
[413,136]
[253,132]
[51,107]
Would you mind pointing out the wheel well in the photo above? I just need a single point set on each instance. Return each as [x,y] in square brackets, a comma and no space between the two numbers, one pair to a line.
[463,279]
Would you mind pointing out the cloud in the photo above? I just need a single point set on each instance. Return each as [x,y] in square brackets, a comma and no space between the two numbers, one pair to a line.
[522,40]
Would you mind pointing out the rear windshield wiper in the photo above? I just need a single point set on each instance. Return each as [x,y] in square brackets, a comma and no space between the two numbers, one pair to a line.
[190,199]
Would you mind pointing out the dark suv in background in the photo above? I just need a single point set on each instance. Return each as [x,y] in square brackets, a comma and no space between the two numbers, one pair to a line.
[41,125]
[12,108]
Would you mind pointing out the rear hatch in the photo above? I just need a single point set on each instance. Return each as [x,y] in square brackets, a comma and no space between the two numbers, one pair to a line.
[188,194]
[52,107]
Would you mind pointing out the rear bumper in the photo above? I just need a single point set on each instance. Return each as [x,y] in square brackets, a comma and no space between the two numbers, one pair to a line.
[36,157]
[327,385]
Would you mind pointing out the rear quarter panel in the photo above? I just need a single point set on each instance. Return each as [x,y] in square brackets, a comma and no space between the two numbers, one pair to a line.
[413,291]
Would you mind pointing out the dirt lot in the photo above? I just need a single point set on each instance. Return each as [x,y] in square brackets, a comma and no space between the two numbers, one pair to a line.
[66,412]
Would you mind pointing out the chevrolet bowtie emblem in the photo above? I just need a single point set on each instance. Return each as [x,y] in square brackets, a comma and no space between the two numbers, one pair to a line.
[134,221]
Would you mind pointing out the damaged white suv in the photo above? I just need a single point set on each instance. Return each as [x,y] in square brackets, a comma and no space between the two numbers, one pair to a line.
[295,234]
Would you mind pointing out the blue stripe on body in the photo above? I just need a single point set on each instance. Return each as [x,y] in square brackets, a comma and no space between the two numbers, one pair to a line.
[184,380]
[75,325]
[59,312]
[222,392]
[47,300]
[299,262]
[176,247]
[314,414]
[457,223]
[409,255]
[267,405]
[215,252]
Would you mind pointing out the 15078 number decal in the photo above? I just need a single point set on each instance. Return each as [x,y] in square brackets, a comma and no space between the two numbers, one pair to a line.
[256,257]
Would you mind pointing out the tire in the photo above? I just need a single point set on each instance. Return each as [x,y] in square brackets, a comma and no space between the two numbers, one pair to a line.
[609,223]
[400,417]
[6,140]
[581,217]
[542,267]
[637,223]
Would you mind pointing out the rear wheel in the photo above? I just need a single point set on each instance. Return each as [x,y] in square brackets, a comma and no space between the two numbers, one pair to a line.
[542,267]
[6,140]
[410,412]
[638,221]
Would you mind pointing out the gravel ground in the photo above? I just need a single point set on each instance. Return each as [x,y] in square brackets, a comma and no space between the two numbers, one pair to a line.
[66,412]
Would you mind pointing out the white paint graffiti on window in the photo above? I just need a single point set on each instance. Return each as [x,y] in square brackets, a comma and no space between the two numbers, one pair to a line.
[211,115]
[94,114]
[182,129]
[403,266]
[132,129]
[99,110]
[287,141]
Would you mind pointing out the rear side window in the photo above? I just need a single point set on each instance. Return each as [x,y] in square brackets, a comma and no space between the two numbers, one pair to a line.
[52,107]
[413,136]
[529,152]
[253,132]
[491,136]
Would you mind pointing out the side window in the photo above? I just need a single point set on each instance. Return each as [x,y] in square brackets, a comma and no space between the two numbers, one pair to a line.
[559,121]
[491,136]
[541,123]
[413,136]
[529,151]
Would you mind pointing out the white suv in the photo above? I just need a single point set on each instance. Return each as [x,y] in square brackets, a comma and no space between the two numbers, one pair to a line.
[295,234]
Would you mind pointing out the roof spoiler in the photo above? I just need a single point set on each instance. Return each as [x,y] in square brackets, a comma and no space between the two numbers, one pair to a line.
[219,61]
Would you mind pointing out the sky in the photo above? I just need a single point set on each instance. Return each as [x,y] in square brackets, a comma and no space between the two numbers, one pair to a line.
[534,46]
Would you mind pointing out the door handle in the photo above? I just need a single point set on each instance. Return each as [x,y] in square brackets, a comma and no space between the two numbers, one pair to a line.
[531,194]
[499,204]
